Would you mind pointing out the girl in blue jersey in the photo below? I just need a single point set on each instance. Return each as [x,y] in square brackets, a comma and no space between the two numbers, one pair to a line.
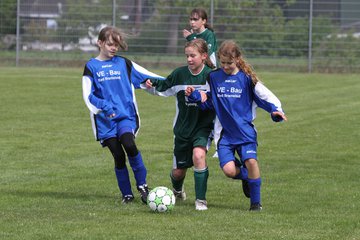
[108,90]
[235,92]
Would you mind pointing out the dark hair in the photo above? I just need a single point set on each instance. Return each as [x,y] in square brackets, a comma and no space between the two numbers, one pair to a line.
[200,12]
[117,36]
[202,48]
[231,50]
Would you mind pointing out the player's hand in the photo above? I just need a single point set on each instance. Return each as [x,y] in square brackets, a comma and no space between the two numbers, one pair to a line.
[189,90]
[203,96]
[148,83]
[279,115]
[186,33]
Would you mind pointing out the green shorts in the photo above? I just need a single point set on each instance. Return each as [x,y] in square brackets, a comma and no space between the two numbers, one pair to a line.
[183,150]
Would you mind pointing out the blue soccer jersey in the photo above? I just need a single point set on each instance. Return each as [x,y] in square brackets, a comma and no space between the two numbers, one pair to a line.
[108,87]
[235,99]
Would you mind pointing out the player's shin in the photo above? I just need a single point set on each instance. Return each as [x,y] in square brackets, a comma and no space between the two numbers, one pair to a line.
[122,176]
[201,178]
[138,168]
[177,183]
[255,185]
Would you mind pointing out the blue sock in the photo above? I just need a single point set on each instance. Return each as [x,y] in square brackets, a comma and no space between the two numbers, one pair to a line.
[122,176]
[254,185]
[243,174]
[138,168]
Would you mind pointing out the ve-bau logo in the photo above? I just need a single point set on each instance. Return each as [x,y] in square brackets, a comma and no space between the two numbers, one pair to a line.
[108,75]
[229,90]
[232,92]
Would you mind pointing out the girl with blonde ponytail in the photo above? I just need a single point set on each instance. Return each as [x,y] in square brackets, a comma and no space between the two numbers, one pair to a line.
[235,92]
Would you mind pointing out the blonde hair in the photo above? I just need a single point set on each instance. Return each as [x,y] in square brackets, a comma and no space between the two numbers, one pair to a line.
[231,50]
[116,34]
[201,46]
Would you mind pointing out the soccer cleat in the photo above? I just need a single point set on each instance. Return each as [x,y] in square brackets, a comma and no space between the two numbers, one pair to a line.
[255,207]
[144,192]
[246,188]
[181,195]
[127,199]
[201,205]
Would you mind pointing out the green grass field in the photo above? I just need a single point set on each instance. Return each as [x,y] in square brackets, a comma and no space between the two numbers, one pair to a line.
[58,183]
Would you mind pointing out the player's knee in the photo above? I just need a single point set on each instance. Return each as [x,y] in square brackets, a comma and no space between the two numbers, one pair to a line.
[120,164]
[229,171]
[128,142]
[117,152]
[230,174]
[119,159]
[251,163]
[199,154]
[178,173]
[131,149]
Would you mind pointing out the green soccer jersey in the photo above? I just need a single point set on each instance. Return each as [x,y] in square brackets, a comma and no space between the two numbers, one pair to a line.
[189,120]
[210,39]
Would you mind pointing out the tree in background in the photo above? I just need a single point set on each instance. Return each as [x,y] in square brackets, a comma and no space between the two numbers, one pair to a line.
[254,24]
[296,35]
[176,15]
[82,18]
[133,13]
[7,24]
[8,17]
[338,52]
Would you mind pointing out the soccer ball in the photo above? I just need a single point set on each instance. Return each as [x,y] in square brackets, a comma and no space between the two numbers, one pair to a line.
[161,199]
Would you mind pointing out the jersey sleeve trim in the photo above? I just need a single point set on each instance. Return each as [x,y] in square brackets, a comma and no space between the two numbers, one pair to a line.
[86,86]
[266,99]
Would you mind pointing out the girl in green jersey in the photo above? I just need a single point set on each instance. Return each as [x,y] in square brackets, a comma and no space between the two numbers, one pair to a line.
[192,127]
[200,28]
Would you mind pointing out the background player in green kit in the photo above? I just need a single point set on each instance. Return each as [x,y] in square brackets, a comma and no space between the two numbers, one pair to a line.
[192,126]
[200,28]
